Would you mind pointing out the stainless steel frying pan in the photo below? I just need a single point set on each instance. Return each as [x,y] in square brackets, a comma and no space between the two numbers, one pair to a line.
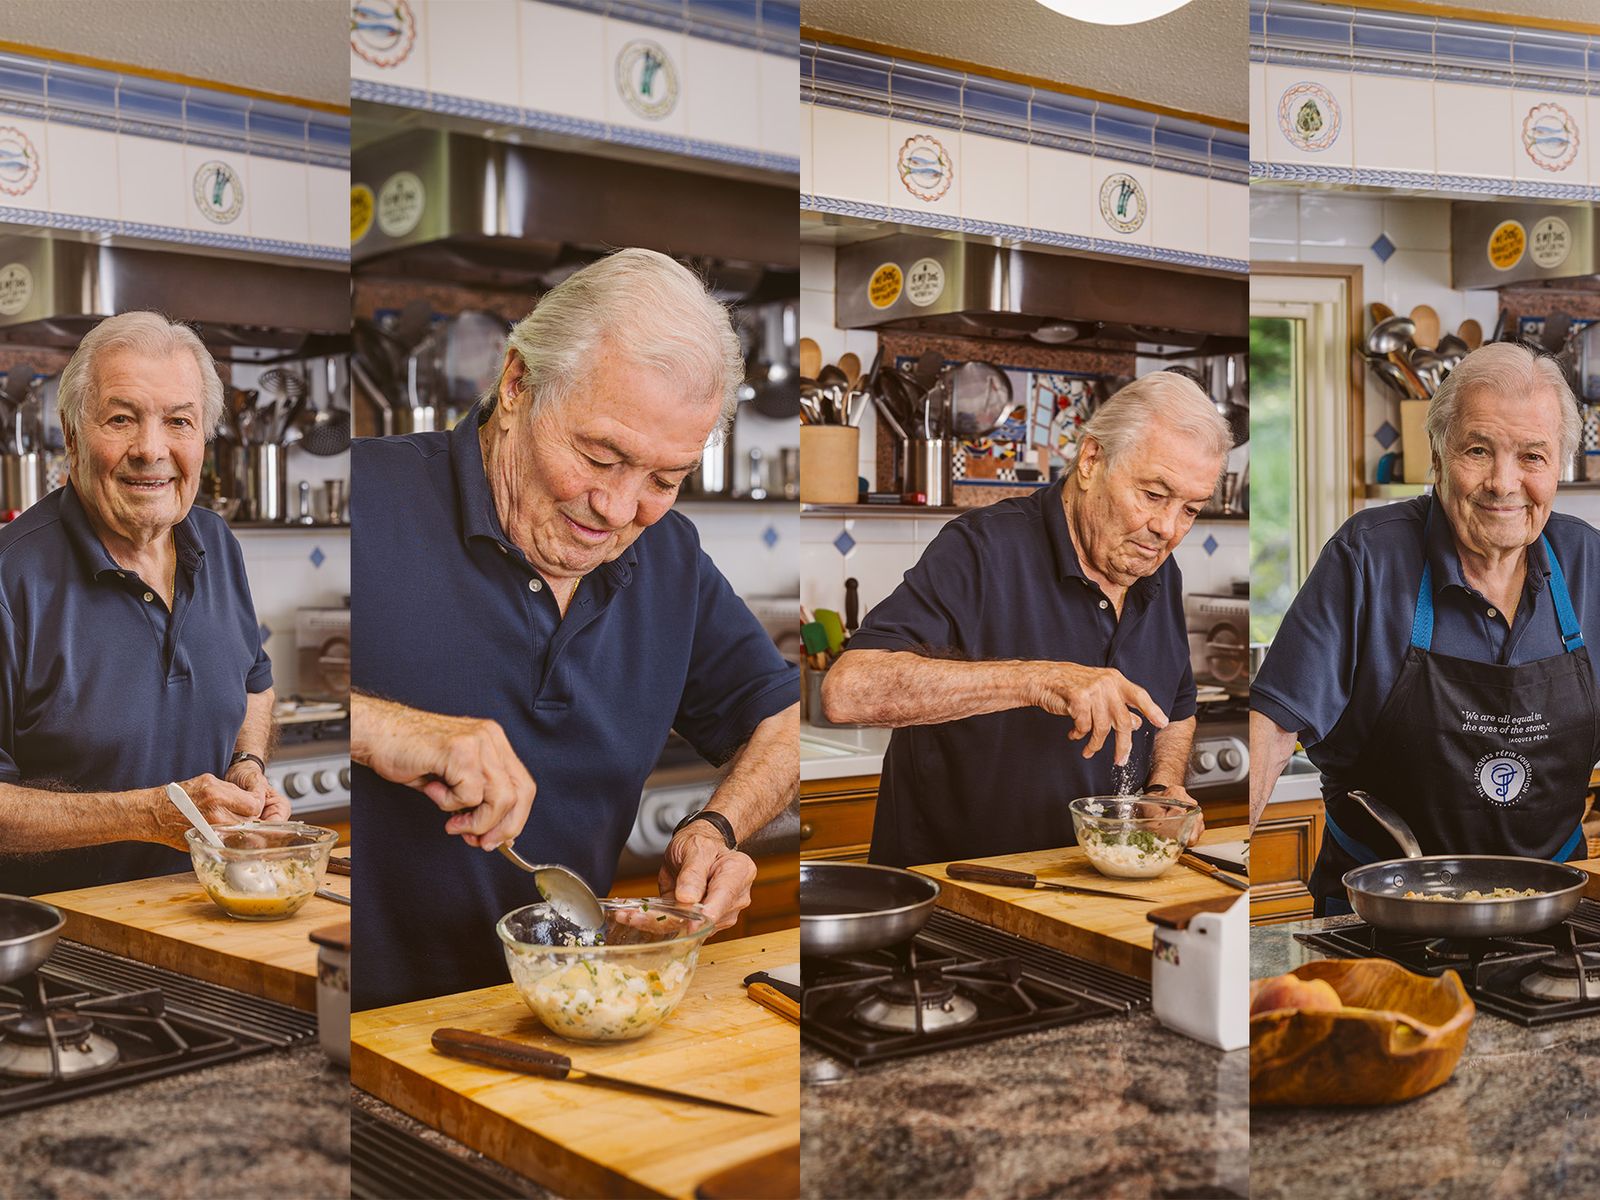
[28,933]
[1378,890]
[846,908]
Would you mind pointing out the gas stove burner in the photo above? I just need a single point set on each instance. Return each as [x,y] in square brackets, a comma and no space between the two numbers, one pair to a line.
[25,1047]
[907,1005]
[1556,978]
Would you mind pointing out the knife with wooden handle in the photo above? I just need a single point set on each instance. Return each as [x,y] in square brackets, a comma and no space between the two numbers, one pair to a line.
[1205,868]
[770,997]
[1004,877]
[507,1055]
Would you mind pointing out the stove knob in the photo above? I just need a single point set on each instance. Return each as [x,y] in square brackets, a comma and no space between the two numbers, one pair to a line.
[344,778]
[323,781]
[294,785]
[1230,759]
[1208,761]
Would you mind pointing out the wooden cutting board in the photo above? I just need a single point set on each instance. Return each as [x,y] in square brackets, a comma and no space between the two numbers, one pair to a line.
[582,1139]
[1111,932]
[170,922]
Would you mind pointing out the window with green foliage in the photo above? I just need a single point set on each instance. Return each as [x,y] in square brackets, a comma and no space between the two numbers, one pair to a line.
[1276,353]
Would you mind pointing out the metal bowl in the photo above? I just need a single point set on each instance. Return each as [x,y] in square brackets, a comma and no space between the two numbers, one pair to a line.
[29,930]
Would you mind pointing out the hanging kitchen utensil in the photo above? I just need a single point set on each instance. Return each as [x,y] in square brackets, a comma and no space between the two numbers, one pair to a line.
[810,358]
[413,323]
[929,364]
[978,397]
[1380,311]
[1425,326]
[1391,339]
[1555,333]
[1378,890]
[473,353]
[1471,333]
[850,364]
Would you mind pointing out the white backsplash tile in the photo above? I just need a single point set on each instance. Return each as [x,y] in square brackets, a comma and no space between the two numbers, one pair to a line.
[151,182]
[1274,216]
[724,103]
[277,200]
[1258,112]
[472,50]
[328,200]
[290,570]
[1331,219]
[83,166]
[850,156]
[563,52]
[779,127]
[994,184]
[807,149]
[1473,133]
[1386,113]
[1416,224]
[1179,217]
[1228,219]
[1059,184]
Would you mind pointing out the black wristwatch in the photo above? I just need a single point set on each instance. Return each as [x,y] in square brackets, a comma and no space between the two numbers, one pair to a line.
[240,756]
[717,821]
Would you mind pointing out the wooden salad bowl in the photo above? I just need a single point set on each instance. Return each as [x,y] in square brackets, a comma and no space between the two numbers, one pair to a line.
[1397,1036]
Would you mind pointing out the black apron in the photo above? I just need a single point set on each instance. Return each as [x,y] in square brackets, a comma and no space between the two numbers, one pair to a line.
[1477,758]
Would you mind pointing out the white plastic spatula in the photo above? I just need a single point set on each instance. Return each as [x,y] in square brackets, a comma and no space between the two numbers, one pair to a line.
[242,877]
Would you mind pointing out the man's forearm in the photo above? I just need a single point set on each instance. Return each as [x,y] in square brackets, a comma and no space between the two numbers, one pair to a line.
[764,777]
[1270,749]
[36,820]
[257,732]
[372,721]
[1169,754]
[895,688]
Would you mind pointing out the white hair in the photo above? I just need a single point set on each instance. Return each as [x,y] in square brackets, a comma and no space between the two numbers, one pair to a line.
[1162,398]
[147,333]
[643,306]
[1512,372]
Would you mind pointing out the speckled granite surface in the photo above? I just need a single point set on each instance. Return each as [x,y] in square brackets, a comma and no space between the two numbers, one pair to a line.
[273,1126]
[1112,1109]
[1520,1118]
[520,1184]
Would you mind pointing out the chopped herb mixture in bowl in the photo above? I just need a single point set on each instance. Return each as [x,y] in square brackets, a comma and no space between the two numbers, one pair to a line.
[623,986]
[1133,837]
[264,870]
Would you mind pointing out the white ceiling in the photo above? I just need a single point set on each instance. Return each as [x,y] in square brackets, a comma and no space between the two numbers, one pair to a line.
[297,48]
[1195,59]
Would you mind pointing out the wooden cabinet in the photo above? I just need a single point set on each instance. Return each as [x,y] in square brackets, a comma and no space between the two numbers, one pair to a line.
[1282,853]
[836,817]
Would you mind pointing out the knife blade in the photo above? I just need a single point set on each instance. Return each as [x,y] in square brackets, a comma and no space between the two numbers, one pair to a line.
[490,1051]
[1004,877]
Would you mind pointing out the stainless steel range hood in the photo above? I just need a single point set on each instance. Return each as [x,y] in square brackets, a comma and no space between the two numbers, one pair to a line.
[452,207]
[976,289]
[1493,244]
[58,289]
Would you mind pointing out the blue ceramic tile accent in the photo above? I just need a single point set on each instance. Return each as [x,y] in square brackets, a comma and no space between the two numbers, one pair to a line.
[844,543]
[77,88]
[996,100]
[1394,34]
[328,133]
[216,113]
[669,16]
[1258,22]
[1056,113]
[781,17]
[1550,51]
[769,537]
[1327,30]
[1477,44]
[727,12]
[318,557]
[1230,147]
[21,78]
[1115,131]
[925,87]
[1182,144]
[1210,544]
[1386,435]
[150,100]
[850,70]
[1383,247]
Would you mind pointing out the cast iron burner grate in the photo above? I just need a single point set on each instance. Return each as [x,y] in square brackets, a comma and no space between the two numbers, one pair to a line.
[1493,970]
[1016,986]
[154,1022]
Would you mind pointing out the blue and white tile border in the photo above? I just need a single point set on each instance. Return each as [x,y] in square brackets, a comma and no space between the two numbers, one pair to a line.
[771,26]
[1343,40]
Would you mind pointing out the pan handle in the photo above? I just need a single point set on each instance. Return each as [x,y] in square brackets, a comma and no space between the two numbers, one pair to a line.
[1391,821]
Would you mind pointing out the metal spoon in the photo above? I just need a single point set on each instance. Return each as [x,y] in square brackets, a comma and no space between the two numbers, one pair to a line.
[246,878]
[1392,339]
[568,896]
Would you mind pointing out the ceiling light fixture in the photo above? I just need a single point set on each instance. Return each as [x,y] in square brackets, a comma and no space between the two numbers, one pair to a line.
[1114,12]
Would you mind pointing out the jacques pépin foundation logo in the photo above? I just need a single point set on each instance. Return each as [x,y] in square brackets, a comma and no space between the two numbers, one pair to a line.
[218,194]
[647,80]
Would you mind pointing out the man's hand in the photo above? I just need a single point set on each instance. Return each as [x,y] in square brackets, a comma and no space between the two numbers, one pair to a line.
[248,777]
[698,868]
[219,802]
[465,765]
[1101,702]
[1173,792]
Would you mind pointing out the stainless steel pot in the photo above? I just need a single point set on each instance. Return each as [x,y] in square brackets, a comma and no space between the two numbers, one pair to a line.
[1378,890]
[850,907]
[29,930]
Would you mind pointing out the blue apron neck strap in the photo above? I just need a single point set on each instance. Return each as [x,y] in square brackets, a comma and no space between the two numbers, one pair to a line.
[1422,621]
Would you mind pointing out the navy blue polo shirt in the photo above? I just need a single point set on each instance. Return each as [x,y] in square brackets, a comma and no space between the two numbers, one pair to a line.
[103,690]
[445,619]
[1339,650]
[1004,582]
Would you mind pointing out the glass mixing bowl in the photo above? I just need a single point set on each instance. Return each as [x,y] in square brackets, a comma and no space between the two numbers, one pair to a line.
[263,871]
[620,988]
[1133,837]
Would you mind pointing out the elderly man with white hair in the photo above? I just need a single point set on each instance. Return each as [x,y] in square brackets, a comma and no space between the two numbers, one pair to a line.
[130,656]
[1028,656]
[1435,657]
[531,620]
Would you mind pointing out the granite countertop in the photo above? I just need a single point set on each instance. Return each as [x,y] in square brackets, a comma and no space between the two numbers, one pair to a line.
[370,1104]
[1111,1108]
[1520,1117]
[273,1125]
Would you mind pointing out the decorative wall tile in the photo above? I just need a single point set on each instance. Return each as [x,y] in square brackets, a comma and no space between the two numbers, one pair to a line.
[1473,131]
[851,156]
[1551,134]
[1120,201]
[1178,211]
[217,182]
[1059,188]
[390,43]
[1228,212]
[646,78]
[994,184]
[723,105]
[278,200]
[153,186]
[1387,115]
[569,82]
[779,129]
[24,163]
[83,170]
[328,205]
[1308,116]
[923,169]
[472,49]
